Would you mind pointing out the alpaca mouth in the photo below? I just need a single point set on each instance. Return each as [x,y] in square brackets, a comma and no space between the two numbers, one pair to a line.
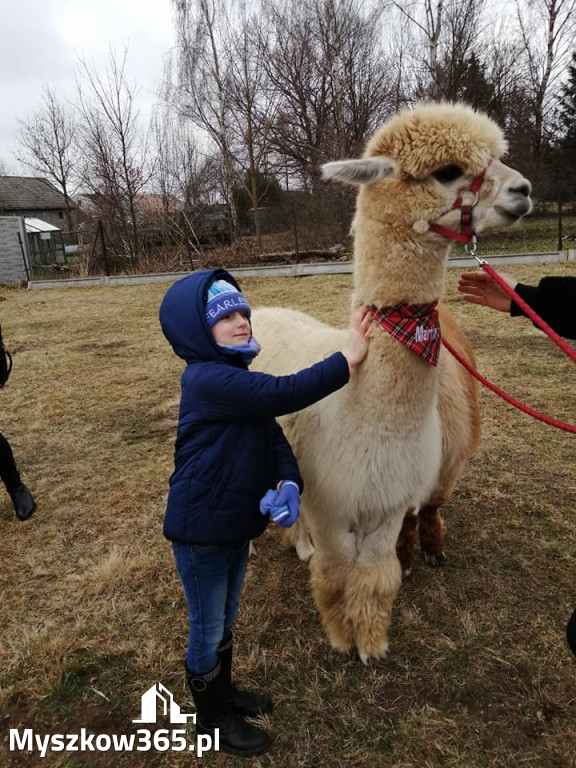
[516,212]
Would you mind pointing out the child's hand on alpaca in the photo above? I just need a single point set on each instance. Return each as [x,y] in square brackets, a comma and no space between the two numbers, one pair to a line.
[356,347]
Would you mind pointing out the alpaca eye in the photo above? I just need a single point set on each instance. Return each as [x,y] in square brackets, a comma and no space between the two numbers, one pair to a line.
[447,173]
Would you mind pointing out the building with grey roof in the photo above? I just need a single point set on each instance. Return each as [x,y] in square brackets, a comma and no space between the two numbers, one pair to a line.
[32,197]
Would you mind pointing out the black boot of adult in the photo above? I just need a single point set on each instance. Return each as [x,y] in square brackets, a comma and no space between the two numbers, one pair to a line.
[237,737]
[244,703]
[24,504]
[571,632]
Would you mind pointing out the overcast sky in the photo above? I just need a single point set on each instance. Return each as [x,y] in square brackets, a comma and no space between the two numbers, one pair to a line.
[42,40]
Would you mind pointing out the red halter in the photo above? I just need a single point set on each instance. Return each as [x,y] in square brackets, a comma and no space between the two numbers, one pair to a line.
[466,232]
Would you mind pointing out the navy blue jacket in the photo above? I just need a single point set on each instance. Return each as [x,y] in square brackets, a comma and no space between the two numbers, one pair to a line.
[229,448]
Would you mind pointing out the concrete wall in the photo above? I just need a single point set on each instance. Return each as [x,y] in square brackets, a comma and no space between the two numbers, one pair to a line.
[12,243]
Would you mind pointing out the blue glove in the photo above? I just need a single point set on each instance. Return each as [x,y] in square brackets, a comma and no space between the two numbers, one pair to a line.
[289,496]
[283,506]
[268,505]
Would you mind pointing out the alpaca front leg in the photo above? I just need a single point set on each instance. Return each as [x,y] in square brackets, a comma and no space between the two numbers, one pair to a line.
[406,544]
[298,537]
[370,593]
[432,535]
[328,577]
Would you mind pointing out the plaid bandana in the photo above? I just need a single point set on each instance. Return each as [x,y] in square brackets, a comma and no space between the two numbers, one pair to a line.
[414,325]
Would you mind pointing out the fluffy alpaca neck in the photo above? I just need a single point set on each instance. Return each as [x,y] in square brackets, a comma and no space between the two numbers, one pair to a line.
[402,387]
[392,264]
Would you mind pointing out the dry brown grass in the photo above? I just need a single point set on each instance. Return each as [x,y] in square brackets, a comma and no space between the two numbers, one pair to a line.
[92,613]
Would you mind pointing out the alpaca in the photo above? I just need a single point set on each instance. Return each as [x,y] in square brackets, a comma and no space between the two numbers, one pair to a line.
[389,446]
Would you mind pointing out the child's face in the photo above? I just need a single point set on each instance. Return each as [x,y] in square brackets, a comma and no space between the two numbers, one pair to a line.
[232,330]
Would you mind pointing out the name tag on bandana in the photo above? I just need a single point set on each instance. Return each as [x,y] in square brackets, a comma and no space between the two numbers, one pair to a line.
[414,325]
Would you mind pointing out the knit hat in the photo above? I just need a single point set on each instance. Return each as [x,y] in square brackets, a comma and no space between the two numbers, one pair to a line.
[223,299]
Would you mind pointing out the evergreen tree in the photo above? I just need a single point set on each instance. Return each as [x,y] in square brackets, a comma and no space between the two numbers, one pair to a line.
[477,90]
[562,153]
[558,154]
[269,194]
[566,112]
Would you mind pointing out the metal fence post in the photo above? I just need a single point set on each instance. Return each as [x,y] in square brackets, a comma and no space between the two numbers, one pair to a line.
[295,233]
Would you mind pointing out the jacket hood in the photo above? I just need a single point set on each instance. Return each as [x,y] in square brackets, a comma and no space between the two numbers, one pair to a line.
[183,317]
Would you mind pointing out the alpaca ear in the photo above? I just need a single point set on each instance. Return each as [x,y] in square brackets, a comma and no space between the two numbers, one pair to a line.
[366,170]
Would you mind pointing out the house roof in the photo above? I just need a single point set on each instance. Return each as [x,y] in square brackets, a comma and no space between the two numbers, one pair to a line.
[37,225]
[152,203]
[25,193]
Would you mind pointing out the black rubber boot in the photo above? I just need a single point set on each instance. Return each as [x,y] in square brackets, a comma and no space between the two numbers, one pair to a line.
[571,632]
[24,504]
[244,703]
[237,737]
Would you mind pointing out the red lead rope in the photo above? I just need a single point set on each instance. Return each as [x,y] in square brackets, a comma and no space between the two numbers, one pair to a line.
[545,327]
[505,395]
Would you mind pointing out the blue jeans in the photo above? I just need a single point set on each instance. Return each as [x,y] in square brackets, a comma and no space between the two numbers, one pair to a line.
[212,577]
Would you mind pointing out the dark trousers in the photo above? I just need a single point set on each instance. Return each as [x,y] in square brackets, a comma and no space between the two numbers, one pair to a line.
[8,469]
[212,576]
[571,632]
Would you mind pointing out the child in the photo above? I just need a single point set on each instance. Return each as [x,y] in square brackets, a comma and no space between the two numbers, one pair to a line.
[230,456]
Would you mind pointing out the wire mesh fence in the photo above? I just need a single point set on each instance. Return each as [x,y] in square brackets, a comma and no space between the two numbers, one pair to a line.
[301,229]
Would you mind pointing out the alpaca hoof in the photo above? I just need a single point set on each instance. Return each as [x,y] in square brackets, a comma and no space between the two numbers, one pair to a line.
[406,574]
[342,647]
[366,657]
[435,560]
[377,663]
[351,655]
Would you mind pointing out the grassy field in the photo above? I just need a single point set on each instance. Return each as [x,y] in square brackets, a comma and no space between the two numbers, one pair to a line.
[536,234]
[91,611]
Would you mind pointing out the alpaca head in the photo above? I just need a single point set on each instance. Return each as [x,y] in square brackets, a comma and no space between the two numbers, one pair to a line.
[417,165]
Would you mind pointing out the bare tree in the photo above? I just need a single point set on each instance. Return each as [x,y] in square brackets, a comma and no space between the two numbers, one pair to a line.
[48,140]
[201,91]
[283,90]
[298,74]
[182,169]
[547,29]
[426,17]
[253,107]
[185,177]
[369,86]
[327,64]
[113,147]
[446,33]
[508,100]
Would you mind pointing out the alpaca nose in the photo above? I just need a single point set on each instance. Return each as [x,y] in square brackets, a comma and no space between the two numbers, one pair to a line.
[524,188]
